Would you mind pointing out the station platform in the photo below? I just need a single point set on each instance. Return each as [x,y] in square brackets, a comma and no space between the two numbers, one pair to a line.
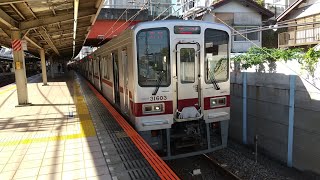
[70,131]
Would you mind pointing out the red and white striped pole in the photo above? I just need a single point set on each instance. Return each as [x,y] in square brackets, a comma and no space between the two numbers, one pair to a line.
[16,45]
[19,68]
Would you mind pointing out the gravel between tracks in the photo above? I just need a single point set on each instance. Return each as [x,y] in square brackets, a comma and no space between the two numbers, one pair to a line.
[184,168]
[240,160]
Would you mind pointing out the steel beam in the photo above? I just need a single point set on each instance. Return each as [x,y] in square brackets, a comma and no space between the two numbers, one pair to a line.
[65,28]
[51,20]
[49,41]
[98,5]
[4,2]
[17,11]
[33,41]
[7,32]
[7,20]
[65,35]
[30,10]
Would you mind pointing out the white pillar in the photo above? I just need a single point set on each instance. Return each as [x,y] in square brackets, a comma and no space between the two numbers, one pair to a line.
[19,68]
[43,66]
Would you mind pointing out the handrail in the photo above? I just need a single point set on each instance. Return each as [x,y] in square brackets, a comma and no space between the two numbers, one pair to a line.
[300,37]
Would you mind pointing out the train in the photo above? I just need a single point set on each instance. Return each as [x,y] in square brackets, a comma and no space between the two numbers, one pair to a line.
[170,79]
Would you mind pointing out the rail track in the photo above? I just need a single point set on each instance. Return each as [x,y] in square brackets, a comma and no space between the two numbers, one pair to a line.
[8,78]
[201,167]
[220,167]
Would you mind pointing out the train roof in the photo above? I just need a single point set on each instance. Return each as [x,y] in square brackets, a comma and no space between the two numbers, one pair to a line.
[165,23]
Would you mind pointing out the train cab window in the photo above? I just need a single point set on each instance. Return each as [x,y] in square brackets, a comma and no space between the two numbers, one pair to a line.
[153,57]
[216,55]
[187,66]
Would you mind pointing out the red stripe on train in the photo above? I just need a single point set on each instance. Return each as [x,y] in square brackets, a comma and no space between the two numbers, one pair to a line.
[187,102]
[109,83]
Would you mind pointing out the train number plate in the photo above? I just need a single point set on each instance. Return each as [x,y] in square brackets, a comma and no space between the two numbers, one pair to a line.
[158,98]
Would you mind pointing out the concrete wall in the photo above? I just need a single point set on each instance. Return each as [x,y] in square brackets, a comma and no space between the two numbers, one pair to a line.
[268,117]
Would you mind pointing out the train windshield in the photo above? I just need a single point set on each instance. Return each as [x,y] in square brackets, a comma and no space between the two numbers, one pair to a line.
[153,57]
[216,55]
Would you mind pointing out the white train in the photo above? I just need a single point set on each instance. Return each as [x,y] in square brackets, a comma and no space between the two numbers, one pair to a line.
[171,80]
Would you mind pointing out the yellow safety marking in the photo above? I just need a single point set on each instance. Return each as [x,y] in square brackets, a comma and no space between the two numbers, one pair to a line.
[86,126]
[6,90]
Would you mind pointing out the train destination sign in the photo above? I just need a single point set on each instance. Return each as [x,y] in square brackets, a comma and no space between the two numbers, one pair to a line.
[187,29]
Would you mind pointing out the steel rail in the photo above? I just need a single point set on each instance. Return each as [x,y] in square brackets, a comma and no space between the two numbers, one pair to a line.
[220,168]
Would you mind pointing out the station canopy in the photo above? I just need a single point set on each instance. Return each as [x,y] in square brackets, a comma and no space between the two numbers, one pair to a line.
[58,26]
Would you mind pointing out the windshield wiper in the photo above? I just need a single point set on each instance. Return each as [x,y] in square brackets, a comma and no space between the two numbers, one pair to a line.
[160,77]
[213,80]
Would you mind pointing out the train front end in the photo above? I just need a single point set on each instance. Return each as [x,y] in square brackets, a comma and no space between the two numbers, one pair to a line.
[182,95]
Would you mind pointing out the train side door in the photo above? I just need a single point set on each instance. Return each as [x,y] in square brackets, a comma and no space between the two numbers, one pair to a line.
[100,71]
[125,80]
[188,71]
[116,88]
[92,70]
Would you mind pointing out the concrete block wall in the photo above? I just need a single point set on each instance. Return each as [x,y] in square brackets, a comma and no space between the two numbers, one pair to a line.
[267,109]
[306,145]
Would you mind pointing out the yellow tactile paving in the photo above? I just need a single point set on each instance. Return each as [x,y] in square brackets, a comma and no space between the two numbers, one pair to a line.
[42,141]
[85,126]
[11,87]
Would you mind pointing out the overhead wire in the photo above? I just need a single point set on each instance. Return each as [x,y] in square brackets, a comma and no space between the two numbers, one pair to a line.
[265,51]
[182,5]
[162,12]
[134,17]
[275,27]
[116,21]
[130,19]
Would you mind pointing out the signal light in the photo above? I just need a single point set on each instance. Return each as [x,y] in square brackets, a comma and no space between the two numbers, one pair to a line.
[217,102]
[154,108]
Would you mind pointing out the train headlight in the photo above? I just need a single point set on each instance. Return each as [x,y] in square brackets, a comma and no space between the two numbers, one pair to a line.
[217,102]
[154,108]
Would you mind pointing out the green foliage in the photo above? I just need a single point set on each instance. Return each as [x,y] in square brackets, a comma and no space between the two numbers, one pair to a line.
[260,2]
[258,56]
[311,58]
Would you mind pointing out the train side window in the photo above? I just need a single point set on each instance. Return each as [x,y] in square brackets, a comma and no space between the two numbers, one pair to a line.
[106,68]
[153,57]
[216,55]
[96,66]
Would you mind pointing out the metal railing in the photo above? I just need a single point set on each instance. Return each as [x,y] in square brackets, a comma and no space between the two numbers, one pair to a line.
[299,37]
